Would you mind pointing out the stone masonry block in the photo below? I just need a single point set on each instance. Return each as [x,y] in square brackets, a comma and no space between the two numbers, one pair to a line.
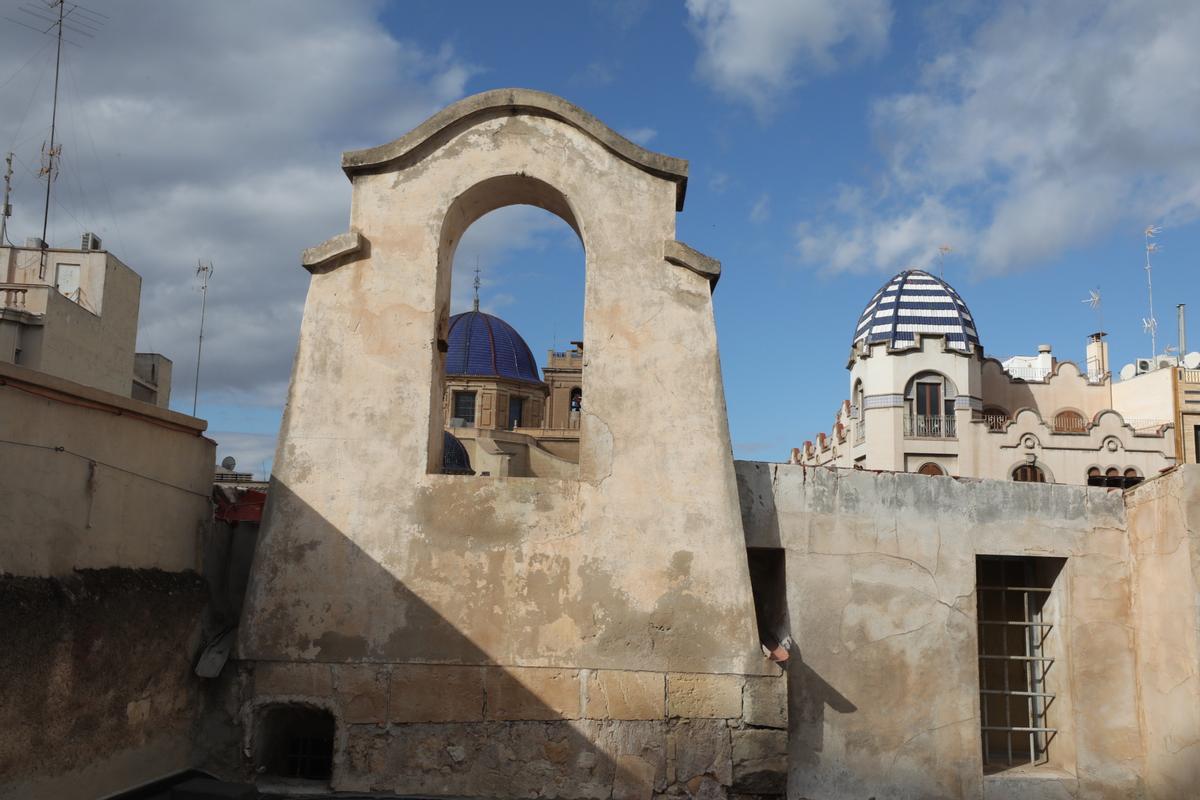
[531,693]
[764,702]
[759,760]
[620,694]
[435,693]
[634,779]
[699,696]
[362,692]
[281,677]
[699,748]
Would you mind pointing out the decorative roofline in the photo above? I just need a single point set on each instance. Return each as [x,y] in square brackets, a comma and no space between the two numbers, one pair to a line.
[412,146]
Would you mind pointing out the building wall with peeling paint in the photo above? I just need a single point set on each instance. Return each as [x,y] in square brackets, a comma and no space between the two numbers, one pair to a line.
[881,595]
[369,558]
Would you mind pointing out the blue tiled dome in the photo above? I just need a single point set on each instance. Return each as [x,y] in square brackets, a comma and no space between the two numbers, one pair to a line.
[455,460]
[916,302]
[483,345]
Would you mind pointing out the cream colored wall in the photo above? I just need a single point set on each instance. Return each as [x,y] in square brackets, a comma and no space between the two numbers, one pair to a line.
[1164,529]
[90,342]
[881,598]
[1146,396]
[366,555]
[130,487]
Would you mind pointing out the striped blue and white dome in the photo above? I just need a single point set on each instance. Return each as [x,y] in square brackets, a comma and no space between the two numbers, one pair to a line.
[916,302]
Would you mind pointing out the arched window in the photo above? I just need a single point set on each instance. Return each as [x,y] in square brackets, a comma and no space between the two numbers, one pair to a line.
[929,403]
[1095,477]
[858,411]
[996,417]
[930,468]
[1112,472]
[1131,477]
[1069,422]
[1029,473]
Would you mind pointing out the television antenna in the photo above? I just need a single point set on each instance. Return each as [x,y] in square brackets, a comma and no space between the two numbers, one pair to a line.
[205,272]
[942,251]
[54,18]
[1150,324]
[1093,302]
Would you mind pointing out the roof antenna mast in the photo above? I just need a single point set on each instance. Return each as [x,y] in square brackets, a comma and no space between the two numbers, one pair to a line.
[6,206]
[1150,324]
[53,151]
[205,271]
[79,21]
[942,251]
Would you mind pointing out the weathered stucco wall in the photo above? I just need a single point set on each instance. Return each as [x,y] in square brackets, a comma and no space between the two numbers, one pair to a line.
[96,687]
[881,596]
[531,572]
[92,480]
[1164,528]
[369,557]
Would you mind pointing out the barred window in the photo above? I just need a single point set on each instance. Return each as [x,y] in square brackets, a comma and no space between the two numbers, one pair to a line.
[1016,691]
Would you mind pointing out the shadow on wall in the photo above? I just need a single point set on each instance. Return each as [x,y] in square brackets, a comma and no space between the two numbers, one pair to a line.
[808,696]
[419,709]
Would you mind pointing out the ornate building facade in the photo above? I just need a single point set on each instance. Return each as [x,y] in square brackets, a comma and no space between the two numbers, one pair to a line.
[925,398]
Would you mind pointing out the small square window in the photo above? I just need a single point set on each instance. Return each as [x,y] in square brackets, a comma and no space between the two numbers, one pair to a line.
[463,410]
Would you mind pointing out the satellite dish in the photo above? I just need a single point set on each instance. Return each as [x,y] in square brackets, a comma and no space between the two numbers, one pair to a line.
[228,463]
[1128,371]
[1192,360]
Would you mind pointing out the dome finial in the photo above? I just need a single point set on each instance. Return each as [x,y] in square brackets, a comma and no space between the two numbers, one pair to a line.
[476,308]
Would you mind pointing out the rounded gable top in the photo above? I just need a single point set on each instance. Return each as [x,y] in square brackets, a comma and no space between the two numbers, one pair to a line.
[915,302]
[512,101]
[483,345]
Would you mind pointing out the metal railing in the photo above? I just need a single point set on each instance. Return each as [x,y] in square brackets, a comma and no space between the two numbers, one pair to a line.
[1006,677]
[995,422]
[1189,375]
[930,427]
[1030,374]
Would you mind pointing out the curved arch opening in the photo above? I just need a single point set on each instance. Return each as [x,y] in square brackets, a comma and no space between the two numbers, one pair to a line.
[1069,420]
[929,406]
[510,330]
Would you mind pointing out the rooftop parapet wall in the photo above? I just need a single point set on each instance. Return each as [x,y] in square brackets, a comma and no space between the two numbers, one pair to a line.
[89,479]
[881,597]
[638,564]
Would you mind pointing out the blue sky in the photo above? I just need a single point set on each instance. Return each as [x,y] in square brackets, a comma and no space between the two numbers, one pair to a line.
[831,144]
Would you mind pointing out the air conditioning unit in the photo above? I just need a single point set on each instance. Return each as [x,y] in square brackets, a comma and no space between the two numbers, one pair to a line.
[90,242]
[1144,365]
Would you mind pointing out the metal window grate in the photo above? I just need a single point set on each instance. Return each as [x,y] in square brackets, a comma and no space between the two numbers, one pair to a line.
[1013,666]
[309,757]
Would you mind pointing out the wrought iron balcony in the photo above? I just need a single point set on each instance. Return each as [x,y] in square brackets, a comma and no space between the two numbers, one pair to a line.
[929,427]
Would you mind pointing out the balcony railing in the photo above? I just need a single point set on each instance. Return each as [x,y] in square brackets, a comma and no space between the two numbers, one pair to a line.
[30,297]
[929,427]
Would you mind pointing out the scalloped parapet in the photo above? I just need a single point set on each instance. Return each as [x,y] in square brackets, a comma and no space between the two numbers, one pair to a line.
[411,146]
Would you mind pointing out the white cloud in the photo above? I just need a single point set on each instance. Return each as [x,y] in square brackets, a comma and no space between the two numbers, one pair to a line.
[753,50]
[214,131]
[641,136]
[761,211]
[1048,127]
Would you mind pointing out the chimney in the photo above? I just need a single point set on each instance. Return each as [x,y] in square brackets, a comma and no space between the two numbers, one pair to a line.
[1182,332]
[1045,361]
[1097,357]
